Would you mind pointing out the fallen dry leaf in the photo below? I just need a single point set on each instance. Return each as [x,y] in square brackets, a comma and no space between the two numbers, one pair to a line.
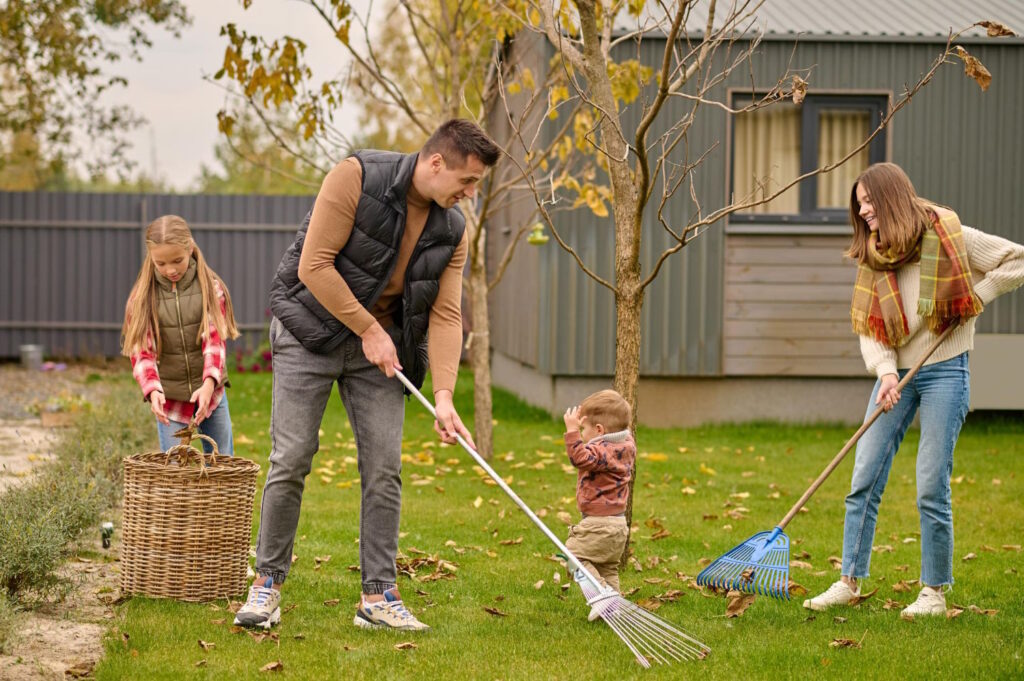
[857,600]
[80,669]
[953,612]
[800,564]
[407,645]
[796,589]
[981,611]
[838,620]
[738,603]
[901,586]
[970,556]
[844,643]
[332,602]
[201,663]
[539,584]
[495,612]
[273,667]
[890,604]
[206,645]
[1011,547]
[836,562]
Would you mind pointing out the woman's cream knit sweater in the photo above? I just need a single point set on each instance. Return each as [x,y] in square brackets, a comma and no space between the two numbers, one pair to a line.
[997,267]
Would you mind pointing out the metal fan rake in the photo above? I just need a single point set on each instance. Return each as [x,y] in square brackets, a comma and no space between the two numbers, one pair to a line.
[650,638]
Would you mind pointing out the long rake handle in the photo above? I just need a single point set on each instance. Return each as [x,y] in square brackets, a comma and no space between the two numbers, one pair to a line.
[860,431]
[573,560]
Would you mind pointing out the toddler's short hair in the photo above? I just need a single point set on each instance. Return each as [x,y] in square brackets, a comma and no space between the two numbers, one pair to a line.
[609,409]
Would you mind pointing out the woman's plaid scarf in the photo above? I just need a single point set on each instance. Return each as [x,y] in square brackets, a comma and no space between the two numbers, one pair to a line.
[947,293]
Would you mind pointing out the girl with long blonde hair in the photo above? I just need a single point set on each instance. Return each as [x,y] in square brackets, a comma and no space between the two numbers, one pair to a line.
[177,320]
[919,272]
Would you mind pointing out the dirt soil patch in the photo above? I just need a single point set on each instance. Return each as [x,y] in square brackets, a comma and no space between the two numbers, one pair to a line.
[58,640]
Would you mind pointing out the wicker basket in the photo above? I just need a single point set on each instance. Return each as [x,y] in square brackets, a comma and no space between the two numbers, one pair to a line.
[187,523]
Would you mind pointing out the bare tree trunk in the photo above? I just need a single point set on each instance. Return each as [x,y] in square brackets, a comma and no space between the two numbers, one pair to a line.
[480,344]
[628,304]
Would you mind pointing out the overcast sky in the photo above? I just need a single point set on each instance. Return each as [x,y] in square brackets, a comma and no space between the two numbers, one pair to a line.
[167,87]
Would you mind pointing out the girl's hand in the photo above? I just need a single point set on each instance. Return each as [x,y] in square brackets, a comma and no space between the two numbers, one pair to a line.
[202,397]
[888,396]
[572,419]
[156,405]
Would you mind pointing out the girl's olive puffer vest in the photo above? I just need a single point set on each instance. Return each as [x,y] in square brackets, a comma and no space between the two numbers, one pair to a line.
[180,312]
[368,260]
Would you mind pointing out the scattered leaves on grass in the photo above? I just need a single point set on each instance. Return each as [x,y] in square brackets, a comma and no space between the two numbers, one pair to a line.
[738,603]
[953,612]
[1011,547]
[670,596]
[980,611]
[206,645]
[703,562]
[800,564]
[332,602]
[970,556]
[901,568]
[218,621]
[882,548]
[201,663]
[796,589]
[838,620]
[320,560]
[836,562]
[288,608]
[277,666]
[495,612]
[511,542]
[650,604]
[901,586]
[538,584]
[406,645]
[857,600]
[890,604]
[848,642]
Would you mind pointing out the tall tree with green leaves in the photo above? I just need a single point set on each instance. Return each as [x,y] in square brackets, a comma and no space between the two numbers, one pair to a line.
[57,60]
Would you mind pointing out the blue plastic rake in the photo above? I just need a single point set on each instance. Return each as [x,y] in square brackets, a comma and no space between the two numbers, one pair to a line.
[760,565]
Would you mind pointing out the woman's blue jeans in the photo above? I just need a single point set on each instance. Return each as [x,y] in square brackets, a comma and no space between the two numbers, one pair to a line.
[941,392]
[217,425]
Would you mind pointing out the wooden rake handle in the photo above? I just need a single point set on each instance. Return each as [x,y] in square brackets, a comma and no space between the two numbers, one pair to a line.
[860,431]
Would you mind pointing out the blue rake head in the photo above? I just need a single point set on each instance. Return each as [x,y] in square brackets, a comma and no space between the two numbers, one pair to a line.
[759,565]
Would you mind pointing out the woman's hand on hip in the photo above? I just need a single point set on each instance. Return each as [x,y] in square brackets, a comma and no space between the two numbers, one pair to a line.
[888,396]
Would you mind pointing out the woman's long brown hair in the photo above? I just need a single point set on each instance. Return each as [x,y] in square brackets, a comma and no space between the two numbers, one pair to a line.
[902,214]
[140,317]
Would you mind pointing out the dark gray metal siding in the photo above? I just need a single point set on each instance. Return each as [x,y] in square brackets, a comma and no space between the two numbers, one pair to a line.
[962,147]
[68,261]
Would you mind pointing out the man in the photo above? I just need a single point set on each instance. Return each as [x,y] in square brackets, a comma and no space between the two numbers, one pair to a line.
[376,265]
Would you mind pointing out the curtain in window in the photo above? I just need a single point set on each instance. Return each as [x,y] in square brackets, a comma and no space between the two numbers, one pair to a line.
[839,131]
[766,157]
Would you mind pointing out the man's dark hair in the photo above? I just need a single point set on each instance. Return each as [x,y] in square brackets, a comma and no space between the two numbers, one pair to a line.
[459,138]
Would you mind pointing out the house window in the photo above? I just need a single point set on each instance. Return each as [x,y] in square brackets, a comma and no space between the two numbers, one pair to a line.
[775,144]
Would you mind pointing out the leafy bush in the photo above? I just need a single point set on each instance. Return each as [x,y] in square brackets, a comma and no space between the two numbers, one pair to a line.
[38,521]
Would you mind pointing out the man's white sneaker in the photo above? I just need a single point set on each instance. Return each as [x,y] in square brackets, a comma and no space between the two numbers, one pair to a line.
[929,602]
[261,609]
[839,593]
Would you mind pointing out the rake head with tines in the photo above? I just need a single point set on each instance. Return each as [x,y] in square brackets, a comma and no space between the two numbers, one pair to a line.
[759,565]
[649,637]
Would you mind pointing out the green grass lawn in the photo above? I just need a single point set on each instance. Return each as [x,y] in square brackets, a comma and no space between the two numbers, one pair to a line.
[687,481]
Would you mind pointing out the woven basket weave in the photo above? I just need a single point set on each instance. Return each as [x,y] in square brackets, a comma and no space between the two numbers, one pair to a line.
[187,523]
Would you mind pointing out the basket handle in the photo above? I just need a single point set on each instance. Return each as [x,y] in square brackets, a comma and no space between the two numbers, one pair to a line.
[187,452]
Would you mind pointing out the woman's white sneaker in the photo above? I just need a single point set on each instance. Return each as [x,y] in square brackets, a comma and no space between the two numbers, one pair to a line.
[929,602]
[261,609]
[839,593]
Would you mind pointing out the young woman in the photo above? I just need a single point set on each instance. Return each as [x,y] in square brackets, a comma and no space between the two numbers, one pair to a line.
[919,271]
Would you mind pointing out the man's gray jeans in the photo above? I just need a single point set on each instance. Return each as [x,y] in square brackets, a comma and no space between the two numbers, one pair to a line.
[303,381]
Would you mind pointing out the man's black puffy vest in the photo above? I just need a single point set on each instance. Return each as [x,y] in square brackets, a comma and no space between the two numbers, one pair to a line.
[367,262]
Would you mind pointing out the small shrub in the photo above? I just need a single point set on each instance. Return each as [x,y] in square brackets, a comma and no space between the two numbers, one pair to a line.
[38,521]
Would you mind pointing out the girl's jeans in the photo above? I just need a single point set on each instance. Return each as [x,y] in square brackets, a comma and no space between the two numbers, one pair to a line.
[941,391]
[217,425]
